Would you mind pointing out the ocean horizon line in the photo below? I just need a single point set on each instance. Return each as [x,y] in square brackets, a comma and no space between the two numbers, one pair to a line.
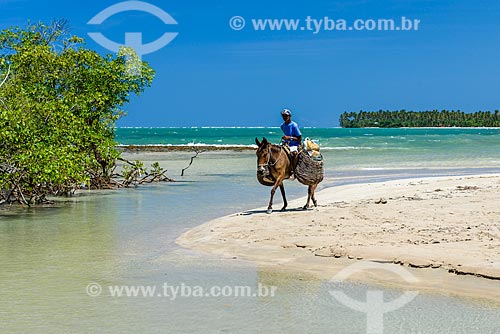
[303,127]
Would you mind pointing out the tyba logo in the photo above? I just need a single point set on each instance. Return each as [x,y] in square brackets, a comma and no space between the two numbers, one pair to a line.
[133,39]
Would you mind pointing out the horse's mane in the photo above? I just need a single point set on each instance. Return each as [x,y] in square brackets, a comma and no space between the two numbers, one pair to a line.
[275,148]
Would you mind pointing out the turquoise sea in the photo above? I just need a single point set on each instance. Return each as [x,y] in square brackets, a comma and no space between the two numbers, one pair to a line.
[330,138]
[349,148]
[50,255]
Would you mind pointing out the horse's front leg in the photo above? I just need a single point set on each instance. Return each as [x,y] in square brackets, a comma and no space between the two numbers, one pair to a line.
[276,184]
[285,203]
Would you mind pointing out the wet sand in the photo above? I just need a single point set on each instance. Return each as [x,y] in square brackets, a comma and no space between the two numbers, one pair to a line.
[445,231]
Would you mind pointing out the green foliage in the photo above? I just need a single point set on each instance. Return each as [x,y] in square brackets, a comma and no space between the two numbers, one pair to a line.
[434,118]
[156,169]
[58,108]
[132,173]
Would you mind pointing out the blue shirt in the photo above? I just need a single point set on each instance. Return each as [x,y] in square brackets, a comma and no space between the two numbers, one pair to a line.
[291,129]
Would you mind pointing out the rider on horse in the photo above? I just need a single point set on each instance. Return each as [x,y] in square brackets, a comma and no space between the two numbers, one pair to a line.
[292,136]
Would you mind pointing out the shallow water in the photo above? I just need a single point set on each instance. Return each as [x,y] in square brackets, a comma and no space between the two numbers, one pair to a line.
[50,255]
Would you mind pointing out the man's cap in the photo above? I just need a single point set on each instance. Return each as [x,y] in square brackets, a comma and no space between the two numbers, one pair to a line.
[286,112]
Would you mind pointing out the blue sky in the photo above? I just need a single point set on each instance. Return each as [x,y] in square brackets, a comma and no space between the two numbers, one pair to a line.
[211,75]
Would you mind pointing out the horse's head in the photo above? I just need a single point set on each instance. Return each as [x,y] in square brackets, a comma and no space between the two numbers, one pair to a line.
[263,155]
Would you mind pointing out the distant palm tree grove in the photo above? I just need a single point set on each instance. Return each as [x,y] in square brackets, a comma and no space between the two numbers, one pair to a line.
[432,118]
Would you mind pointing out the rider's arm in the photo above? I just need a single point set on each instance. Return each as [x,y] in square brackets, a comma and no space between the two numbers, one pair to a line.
[296,134]
[299,138]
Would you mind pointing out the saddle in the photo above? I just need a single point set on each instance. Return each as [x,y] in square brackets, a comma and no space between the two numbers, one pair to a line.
[287,151]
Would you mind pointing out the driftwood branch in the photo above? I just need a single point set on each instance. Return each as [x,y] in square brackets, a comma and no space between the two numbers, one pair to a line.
[140,175]
[155,177]
[126,161]
[196,151]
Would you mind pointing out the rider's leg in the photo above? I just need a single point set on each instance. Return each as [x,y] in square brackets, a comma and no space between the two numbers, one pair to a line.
[295,155]
[295,160]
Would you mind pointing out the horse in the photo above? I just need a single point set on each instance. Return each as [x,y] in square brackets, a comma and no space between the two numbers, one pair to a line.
[274,165]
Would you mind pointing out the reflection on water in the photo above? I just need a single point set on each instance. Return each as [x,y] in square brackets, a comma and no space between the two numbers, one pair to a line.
[49,255]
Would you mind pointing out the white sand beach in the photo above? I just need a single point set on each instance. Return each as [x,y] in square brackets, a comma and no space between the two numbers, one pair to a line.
[447,227]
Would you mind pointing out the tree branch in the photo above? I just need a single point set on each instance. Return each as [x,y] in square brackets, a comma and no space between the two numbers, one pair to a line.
[6,76]
[191,161]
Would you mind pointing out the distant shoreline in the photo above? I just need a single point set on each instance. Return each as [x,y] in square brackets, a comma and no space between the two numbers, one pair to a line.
[305,127]
[243,139]
[184,148]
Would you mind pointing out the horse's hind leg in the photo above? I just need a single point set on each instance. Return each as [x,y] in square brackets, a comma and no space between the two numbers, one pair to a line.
[312,195]
[308,198]
[285,203]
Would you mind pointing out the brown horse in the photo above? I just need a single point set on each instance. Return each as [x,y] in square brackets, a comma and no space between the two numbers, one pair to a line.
[273,167]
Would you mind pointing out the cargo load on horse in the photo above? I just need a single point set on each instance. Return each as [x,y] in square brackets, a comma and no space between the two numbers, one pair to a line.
[309,169]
